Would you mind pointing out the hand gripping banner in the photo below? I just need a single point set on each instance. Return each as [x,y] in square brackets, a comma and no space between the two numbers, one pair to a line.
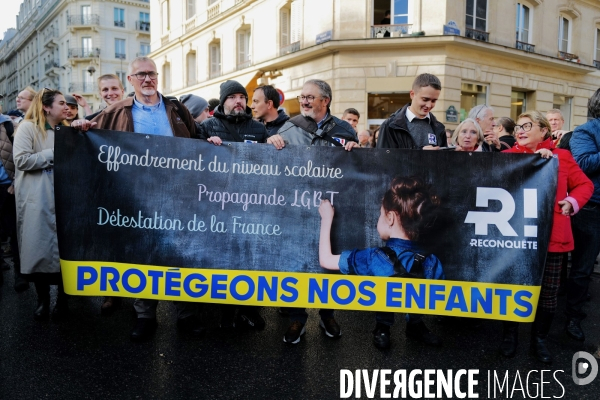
[181,219]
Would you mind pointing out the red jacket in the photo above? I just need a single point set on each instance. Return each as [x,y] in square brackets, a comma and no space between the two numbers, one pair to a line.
[573,186]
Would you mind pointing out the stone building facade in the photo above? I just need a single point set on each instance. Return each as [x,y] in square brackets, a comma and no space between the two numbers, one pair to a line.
[67,44]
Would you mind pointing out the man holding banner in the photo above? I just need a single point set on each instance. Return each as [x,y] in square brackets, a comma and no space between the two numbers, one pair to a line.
[148,112]
[314,127]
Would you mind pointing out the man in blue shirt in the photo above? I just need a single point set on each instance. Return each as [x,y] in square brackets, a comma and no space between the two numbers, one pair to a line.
[149,112]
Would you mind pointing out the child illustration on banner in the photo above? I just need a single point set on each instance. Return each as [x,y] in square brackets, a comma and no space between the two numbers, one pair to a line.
[408,210]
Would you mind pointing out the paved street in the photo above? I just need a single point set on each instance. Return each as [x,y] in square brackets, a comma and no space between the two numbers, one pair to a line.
[91,357]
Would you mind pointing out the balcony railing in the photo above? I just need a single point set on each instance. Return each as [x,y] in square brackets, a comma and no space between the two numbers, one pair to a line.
[51,64]
[290,48]
[380,31]
[120,24]
[83,19]
[189,25]
[84,53]
[213,10]
[530,48]
[82,87]
[120,56]
[563,55]
[597,64]
[143,26]
[50,35]
[244,64]
[142,54]
[477,34]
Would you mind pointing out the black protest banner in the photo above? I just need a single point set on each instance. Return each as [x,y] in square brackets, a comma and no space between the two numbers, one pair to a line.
[181,219]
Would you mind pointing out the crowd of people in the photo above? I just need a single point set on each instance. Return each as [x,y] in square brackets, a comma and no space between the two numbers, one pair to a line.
[27,188]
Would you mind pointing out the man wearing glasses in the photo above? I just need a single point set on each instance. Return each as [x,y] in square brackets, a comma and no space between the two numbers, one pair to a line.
[314,127]
[150,113]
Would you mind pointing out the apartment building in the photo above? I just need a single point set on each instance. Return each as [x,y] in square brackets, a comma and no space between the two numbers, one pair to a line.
[511,55]
[67,44]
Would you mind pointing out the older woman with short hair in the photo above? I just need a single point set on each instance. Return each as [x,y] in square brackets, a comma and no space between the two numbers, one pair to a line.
[574,189]
[468,136]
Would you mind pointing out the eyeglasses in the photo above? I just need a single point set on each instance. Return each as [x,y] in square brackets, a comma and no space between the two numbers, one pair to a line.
[142,75]
[526,127]
[308,98]
[24,98]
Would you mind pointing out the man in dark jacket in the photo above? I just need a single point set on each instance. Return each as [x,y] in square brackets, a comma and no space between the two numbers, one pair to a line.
[232,120]
[265,104]
[314,127]
[414,127]
[584,143]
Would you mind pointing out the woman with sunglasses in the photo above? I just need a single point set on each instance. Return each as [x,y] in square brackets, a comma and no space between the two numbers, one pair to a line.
[574,189]
[33,151]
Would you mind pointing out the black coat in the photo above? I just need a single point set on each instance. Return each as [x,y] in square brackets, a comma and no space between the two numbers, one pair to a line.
[394,134]
[224,126]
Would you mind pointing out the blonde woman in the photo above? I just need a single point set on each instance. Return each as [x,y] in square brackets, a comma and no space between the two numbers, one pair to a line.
[34,192]
[468,136]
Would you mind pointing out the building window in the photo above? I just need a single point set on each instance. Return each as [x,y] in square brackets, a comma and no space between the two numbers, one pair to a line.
[165,17]
[86,46]
[215,60]
[144,23]
[564,35]
[86,15]
[477,15]
[120,49]
[122,77]
[597,49]
[523,23]
[166,72]
[471,95]
[88,84]
[144,49]
[518,104]
[382,105]
[284,26]
[400,12]
[243,48]
[120,17]
[191,8]
[191,68]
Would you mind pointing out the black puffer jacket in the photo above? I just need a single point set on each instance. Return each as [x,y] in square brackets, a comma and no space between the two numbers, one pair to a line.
[394,134]
[222,125]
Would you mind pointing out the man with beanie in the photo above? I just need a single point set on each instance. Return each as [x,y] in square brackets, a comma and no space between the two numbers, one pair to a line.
[197,106]
[232,122]
[265,104]
[314,127]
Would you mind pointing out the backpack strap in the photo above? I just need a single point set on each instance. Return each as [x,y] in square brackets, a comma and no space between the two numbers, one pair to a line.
[309,125]
[400,271]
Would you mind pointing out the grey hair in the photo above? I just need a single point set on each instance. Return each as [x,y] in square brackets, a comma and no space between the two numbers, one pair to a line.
[594,105]
[476,111]
[480,137]
[323,86]
[555,111]
[139,59]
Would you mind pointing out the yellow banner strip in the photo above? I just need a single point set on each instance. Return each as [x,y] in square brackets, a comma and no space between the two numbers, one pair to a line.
[287,289]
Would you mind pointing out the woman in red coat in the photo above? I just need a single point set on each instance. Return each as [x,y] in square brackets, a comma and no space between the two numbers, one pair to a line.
[573,190]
